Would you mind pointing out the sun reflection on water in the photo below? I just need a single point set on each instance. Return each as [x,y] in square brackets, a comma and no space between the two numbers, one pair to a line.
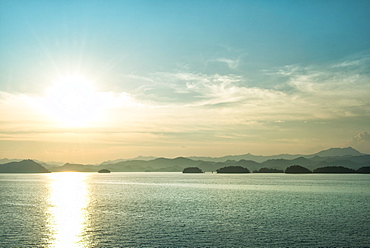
[68,202]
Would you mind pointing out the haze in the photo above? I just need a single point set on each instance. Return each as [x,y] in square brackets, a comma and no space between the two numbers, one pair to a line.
[88,81]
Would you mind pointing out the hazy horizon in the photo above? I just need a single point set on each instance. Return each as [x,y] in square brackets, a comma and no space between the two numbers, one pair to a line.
[148,158]
[90,81]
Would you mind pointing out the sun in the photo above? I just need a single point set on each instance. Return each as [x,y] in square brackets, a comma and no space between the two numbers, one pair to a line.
[72,101]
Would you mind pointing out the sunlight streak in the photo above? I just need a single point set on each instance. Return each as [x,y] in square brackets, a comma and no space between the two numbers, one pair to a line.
[68,202]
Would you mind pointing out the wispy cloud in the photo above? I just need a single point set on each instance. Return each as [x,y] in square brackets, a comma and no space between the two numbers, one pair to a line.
[363,136]
[231,63]
[332,89]
[361,141]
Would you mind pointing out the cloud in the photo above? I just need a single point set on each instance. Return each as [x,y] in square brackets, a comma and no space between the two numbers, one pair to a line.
[355,61]
[338,89]
[40,113]
[186,90]
[363,136]
[310,93]
[18,107]
[231,63]
[362,142]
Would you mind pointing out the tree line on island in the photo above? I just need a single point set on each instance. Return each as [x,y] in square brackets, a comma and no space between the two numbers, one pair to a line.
[294,169]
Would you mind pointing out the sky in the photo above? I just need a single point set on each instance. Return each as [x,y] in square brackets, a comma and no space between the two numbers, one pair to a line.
[89,81]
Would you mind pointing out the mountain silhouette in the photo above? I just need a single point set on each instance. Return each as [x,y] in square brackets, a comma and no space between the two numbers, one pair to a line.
[338,152]
[24,166]
[340,157]
[332,152]
[76,167]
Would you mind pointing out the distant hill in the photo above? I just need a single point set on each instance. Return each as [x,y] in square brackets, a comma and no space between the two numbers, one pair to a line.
[155,165]
[338,152]
[75,167]
[50,165]
[122,160]
[24,166]
[332,152]
[248,156]
[6,160]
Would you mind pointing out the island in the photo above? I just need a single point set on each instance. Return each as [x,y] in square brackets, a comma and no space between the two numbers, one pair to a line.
[233,169]
[104,171]
[297,169]
[192,170]
[364,170]
[268,170]
[333,169]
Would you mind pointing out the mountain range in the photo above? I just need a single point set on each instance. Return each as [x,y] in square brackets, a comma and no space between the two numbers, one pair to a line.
[346,157]
[332,152]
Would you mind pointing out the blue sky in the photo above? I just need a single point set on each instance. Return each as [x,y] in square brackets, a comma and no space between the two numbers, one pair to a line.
[178,78]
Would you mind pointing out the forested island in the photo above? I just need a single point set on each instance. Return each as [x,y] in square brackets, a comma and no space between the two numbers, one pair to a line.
[233,169]
[297,169]
[364,170]
[334,169]
[268,170]
[192,170]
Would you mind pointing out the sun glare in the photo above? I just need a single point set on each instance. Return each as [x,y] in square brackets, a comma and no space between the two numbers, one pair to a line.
[68,202]
[73,102]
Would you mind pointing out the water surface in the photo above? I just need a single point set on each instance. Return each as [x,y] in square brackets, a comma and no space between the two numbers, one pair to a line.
[174,209]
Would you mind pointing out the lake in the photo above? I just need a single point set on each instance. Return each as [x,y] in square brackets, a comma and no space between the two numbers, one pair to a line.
[175,209]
